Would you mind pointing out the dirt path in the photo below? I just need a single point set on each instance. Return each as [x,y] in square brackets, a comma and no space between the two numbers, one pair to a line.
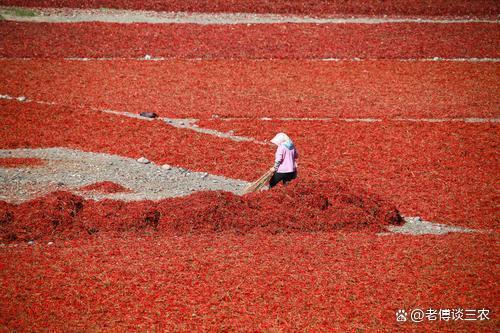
[417,226]
[67,15]
[68,169]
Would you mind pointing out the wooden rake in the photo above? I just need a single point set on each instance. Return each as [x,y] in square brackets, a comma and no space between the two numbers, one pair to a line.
[259,183]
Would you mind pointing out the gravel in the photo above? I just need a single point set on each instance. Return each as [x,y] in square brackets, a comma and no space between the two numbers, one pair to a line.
[142,160]
[66,15]
[417,226]
[68,169]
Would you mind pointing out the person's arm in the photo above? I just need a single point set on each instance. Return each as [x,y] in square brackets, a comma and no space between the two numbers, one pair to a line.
[278,158]
[296,157]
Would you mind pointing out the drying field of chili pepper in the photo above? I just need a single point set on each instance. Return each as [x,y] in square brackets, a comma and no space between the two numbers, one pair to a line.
[287,282]
[314,207]
[445,170]
[38,125]
[287,88]
[390,120]
[257,41]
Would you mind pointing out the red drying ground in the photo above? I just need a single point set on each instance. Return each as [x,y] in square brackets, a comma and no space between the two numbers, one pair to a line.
[304,41]
[307,206]
[17,162]
[445,172]
[105,187]
[33,125]
[301,282]
[291,88]
[308,7]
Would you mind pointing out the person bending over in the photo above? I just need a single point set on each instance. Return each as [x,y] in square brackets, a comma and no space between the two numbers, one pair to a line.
[285,165]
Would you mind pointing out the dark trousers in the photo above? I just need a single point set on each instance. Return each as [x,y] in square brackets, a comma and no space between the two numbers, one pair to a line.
[282,177]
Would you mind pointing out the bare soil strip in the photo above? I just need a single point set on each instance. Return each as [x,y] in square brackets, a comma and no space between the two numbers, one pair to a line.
[417,226]
[70,15]
[375,120]
[187,124]
[68,169]
[148,57]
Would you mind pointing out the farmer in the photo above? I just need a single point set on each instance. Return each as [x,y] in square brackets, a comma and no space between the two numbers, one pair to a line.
[285,165]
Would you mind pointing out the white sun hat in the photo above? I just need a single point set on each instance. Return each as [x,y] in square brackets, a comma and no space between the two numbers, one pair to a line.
[280,138]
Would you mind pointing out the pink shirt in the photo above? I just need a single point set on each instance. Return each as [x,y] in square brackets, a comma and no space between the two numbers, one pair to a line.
[286,159]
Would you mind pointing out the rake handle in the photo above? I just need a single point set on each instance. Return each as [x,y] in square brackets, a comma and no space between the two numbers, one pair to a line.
[259,182]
